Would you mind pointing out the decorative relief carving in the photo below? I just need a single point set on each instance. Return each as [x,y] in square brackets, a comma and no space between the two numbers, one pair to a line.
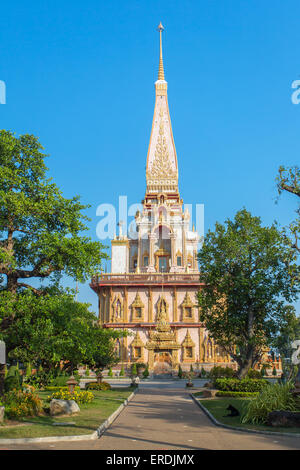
[137,348]
[161,167]
[188,346]
[137,307]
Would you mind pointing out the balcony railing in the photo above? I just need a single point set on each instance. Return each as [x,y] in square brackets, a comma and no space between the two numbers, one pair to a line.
[145,278]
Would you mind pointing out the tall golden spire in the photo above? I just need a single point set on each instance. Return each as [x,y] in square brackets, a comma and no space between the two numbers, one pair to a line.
[161,75]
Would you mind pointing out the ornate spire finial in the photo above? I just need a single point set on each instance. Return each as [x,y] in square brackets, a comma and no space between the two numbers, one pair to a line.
[161,75]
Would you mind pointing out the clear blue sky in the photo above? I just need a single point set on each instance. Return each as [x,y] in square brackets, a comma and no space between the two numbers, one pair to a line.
[80,75]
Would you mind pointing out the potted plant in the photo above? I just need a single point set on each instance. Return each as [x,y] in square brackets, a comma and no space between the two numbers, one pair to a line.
[189,382]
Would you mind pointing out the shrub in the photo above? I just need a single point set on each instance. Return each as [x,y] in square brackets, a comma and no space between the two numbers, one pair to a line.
[81,397]
[263,371]
[180,373]
[219,371]
[221,393]
[28,370]
[133,370]
[96,386]
[39,380]
[19,403]
[59,381]
[87,372]
[122,372]
[271,398]
[253,374]
[274,372]
[110,372]
[244,385]
[146,372]
[51,388]
[202,372]
[13,380]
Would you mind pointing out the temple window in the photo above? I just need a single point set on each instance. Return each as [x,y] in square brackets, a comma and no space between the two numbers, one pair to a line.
[188,312]
[146,261]
[137,307]
[137,352]
[138,312]
[189,352]
[187,309]
[178,260]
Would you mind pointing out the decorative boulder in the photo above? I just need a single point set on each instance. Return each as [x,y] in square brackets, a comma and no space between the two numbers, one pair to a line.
[208,385]
[2,409]
[63,407]
[284,419]
[209,393]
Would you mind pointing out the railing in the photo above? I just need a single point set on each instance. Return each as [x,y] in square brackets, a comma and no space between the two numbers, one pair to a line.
[145,278]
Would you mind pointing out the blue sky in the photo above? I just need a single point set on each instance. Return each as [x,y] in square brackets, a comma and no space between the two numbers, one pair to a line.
[80,75]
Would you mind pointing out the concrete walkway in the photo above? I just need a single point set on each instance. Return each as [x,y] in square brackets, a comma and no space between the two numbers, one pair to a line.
[162,418]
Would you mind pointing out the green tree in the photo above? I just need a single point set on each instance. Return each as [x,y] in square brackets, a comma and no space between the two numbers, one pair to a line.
[243,267]
[54,328]
[288,181]
[41,232]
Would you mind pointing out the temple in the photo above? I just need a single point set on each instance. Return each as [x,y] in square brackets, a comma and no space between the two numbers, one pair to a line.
[154,280]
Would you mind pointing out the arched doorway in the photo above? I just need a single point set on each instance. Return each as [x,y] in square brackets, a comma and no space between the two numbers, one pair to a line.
[162,362]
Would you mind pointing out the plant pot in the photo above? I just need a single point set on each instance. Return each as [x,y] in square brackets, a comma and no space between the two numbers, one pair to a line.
[189,384]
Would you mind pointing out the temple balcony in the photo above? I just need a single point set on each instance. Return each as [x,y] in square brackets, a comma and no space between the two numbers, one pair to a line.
[145,279]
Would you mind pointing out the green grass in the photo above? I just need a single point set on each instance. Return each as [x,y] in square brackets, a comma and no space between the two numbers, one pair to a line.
[217,407]
[91,416]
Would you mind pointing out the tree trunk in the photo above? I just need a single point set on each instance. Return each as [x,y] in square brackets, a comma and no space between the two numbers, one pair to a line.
[244,368]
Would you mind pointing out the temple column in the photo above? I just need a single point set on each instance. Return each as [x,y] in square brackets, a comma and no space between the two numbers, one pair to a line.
[152,238]
[151,359]
[175,317]
[173,248]
[150,305]
[110,305]
[125,306]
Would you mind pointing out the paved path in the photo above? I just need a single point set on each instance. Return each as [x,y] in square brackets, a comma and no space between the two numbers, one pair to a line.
[164,418]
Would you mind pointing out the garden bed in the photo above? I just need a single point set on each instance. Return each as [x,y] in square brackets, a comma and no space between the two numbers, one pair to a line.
[91,416]
[217,408]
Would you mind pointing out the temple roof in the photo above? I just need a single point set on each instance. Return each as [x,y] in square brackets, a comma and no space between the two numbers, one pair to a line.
[161,170]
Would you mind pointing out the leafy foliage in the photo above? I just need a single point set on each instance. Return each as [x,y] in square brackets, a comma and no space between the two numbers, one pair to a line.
[20,403]
[80,397]
[98,386]
[244,385]
[222,393]
[55,328]
[41,230]
[244,268]
[271,398]
[219,371]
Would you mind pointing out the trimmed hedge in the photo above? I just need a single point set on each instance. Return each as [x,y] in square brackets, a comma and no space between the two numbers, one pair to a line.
[53,388]
[221,393]
[244,385]
[96,386]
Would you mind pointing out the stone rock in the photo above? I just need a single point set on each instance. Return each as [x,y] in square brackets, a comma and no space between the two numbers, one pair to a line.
[63,407]
[209,393]
[208,385]
[283,419]
[2,409]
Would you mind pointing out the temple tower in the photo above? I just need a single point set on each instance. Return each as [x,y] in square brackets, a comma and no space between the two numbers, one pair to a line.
[154,280]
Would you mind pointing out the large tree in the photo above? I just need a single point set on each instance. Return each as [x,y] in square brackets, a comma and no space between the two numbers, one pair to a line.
[288,181]
[247,284]
[41,232]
